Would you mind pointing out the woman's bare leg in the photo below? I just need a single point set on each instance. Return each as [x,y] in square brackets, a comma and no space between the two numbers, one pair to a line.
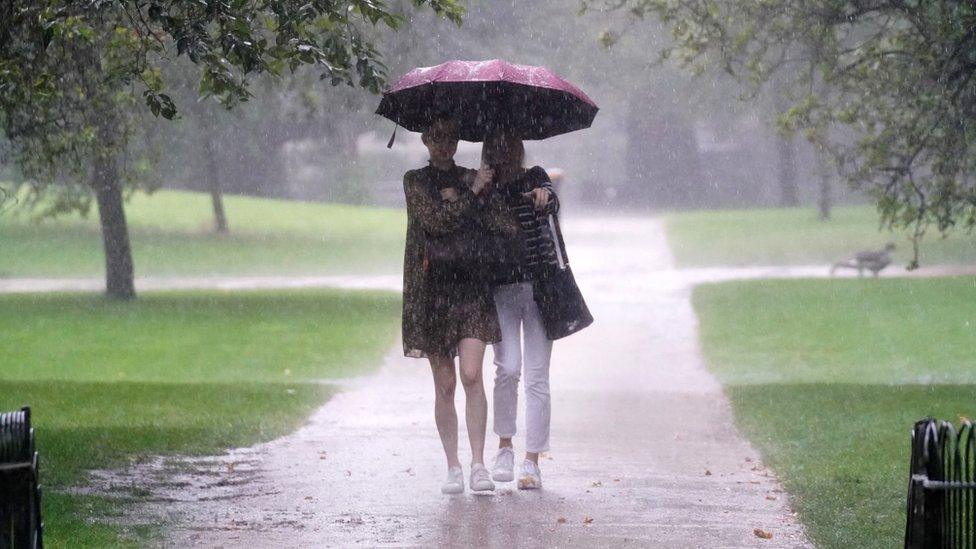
[472,355]
[445,381]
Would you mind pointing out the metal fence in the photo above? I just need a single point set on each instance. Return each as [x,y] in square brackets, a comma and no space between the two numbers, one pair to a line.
[20,494]
[942,486]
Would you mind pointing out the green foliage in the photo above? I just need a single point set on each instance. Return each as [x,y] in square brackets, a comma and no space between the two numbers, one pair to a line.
[71,71]
[827,378]
[886,87]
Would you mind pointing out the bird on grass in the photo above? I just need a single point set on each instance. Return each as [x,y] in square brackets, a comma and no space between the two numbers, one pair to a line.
[870,260]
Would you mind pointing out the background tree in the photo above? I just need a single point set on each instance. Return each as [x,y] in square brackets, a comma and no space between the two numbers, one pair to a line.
[885,86]
[72,72]
[663,138]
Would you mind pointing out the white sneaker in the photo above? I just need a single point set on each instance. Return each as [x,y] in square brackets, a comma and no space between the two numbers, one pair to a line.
[479,479]
[504,466]
[531,477]
[455,481]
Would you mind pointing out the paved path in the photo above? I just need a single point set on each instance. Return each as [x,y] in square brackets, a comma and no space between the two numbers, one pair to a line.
[658,275]
[644,452]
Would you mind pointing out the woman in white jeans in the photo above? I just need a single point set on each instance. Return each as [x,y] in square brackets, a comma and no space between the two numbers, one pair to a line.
[524,347]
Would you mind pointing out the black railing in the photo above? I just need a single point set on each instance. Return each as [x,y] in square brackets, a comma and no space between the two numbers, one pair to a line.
[20,494]
[942,486]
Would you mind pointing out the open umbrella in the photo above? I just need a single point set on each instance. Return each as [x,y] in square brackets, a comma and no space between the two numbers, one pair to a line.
[531,102]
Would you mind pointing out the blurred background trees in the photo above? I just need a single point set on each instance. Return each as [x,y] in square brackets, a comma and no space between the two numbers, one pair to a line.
[663,139]
[704,104]
[883,88]
[73,74]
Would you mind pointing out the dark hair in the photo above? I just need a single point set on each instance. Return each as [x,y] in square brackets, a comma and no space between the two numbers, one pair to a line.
[515,143]
[442,118]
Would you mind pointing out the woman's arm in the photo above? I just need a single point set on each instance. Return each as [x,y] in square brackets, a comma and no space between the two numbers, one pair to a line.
[498,218]
[436,216]
[540,180]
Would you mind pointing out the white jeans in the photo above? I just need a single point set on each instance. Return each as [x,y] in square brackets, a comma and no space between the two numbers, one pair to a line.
[518,316]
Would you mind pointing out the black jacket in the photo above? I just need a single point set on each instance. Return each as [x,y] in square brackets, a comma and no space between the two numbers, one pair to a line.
[546,264]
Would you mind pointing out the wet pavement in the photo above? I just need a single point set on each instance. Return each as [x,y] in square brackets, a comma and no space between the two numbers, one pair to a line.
[658,275]
[644,452]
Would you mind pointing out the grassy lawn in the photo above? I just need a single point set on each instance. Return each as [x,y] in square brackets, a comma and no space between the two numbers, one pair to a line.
[172,234]
[827,377]
[192,372]
[794,236]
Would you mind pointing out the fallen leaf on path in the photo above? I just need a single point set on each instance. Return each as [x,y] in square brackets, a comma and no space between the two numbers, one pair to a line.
[616,480]
[771,498]
[597,484]
[561,520]
[587,520]
[323,455]
[748,458]
[348,473]
[230,467]
[309,497]
[762,534]
[708,473]
[408,470]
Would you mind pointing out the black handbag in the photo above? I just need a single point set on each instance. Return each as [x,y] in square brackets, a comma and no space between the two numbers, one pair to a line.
[560,302]
[470,254]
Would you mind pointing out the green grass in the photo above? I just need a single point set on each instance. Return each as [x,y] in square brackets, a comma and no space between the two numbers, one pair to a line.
[186,373]
[827,377]
[794,236]
[172,234]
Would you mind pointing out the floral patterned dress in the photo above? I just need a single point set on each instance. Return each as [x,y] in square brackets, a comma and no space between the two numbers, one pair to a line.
[438,313]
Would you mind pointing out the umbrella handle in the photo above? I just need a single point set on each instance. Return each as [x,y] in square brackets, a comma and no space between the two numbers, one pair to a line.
[389,145]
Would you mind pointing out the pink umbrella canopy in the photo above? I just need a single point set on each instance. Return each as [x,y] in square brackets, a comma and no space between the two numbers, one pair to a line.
[486,96]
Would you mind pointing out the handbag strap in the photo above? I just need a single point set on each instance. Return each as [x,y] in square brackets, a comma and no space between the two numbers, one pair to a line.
[555,243]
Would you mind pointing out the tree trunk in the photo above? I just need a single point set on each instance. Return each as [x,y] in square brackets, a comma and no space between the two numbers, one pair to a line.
[825,202]
[786,171]
[213,183]
[216,197]
[119,282]
[106,178]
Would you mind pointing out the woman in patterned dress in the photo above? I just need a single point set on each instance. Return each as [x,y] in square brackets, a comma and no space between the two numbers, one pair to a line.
[444,317]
